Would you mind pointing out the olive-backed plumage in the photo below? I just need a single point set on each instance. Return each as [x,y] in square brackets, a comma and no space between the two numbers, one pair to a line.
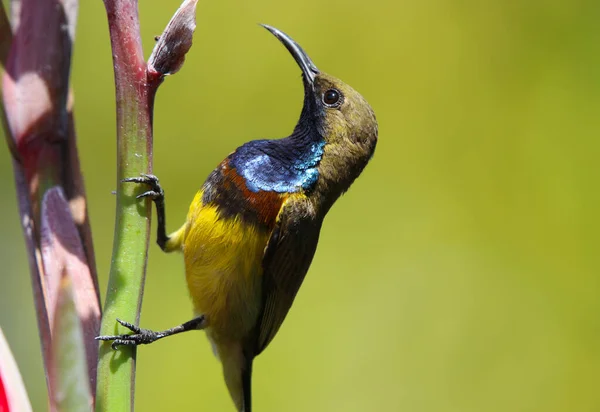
[252,229]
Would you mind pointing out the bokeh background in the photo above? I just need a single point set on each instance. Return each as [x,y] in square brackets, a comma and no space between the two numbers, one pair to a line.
[461,271]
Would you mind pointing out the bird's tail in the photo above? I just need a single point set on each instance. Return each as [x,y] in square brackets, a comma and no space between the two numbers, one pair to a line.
[237,369]
[247,385]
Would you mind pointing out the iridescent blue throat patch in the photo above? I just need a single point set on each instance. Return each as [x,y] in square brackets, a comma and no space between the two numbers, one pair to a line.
[282,166]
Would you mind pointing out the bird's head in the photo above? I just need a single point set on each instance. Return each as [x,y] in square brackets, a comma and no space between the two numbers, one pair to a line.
[339,115]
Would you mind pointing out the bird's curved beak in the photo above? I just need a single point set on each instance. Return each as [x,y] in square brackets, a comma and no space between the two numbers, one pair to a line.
[308,67]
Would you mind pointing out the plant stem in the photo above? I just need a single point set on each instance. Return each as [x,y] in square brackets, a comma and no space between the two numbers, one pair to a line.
[135,98]
[136,84]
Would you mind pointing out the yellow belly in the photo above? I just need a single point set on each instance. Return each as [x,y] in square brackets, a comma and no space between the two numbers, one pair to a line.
[223,266]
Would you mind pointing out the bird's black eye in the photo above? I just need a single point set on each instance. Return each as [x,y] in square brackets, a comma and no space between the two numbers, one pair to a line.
[332,98]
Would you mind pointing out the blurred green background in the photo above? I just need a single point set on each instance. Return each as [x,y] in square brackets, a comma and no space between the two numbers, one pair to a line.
[461,271]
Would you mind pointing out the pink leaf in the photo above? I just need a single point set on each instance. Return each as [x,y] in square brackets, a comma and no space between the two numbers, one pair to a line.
[68,370]
[63,253]
[37,71]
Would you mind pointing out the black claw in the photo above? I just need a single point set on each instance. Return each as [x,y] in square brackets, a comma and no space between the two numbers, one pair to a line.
[139,337]
[105,337]
[151,194]
[129,326]
[134,180]
[143,178]
[155,193]
[117,342]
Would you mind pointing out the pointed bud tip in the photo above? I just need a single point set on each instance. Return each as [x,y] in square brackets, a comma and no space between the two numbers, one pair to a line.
[173,44]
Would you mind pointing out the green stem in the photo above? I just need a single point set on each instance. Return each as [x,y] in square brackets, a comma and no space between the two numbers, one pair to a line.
[134,96]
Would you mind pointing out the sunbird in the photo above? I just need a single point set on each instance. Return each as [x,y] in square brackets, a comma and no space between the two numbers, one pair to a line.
[252,229]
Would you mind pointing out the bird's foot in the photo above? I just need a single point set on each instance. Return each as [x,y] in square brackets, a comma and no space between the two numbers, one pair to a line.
[156,192]
[138,337]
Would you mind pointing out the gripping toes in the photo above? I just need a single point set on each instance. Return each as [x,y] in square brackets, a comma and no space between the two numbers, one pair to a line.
[156,191]
[138,337]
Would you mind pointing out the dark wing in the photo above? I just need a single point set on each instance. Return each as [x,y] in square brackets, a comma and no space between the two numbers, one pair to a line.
[287,258]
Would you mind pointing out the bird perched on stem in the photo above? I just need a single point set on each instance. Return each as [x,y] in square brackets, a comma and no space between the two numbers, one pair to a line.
[252,229]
